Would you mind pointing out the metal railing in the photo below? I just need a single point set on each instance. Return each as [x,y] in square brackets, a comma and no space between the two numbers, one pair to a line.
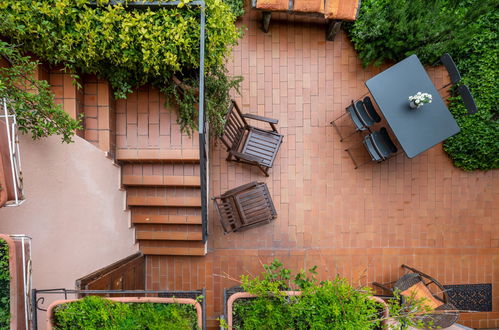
[8,118]
[204,137]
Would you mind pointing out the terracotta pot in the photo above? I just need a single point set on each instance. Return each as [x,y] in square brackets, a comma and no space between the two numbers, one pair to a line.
[187,301]
[242,295]
[17,310]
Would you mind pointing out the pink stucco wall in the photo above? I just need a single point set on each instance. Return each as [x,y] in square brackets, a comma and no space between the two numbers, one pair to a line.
[74,211]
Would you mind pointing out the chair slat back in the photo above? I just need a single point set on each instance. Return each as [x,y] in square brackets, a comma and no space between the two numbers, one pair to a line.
[229,217]
[388,140]
[255,205]
[468,100]
[448,62]
[370,109]
[234,128]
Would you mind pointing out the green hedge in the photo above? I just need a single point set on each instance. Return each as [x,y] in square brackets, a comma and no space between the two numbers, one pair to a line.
[127,47]
[390,30]
[476,147]
[97,313]
[4,286]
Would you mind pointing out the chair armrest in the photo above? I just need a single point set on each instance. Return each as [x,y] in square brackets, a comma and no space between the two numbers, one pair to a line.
[260,118]
[248,158]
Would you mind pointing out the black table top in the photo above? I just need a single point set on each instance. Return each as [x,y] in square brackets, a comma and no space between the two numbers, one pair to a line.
[416,130]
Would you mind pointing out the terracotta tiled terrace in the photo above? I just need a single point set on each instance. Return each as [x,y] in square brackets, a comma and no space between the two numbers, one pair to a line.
[362,224]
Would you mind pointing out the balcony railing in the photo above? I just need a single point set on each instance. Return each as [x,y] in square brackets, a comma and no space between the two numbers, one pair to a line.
[11,159]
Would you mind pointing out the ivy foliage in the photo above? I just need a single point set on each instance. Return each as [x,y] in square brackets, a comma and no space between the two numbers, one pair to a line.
[236,6]
[331,304]
[4,286]
[31,99]
[94,312]
[390,30]
[476,147]
[127,47]
[218,85]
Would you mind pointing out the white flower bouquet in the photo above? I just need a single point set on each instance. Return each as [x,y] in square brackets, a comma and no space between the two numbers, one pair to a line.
[419,99]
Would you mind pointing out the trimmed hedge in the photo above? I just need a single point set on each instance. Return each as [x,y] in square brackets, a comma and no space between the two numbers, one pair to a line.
[98,313]
[476,147]
[4,286]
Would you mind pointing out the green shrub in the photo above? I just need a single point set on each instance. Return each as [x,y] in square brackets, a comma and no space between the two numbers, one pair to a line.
[4,286]
[127,47]
[31,99]
[236,6]
[476,147]
[391,30]
[97,313]
[331,304]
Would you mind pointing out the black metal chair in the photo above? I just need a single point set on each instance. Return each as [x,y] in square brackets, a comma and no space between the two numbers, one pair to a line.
[362,114]
[379,145]
[420,285]
[454,74]
[468,100]
[368,104]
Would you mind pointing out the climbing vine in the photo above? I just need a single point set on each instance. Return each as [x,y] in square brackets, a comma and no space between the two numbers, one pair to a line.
[128,47]
[31,99]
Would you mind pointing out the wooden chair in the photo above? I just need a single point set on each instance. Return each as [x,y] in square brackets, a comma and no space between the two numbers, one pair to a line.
[245,207]
[248,144]
[420,285]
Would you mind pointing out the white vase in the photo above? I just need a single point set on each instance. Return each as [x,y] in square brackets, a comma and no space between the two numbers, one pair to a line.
[414,105]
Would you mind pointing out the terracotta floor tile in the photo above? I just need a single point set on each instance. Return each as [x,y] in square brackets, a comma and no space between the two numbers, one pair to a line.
[362,224]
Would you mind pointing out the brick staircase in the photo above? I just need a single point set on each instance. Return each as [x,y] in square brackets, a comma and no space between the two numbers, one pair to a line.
[160,172]
[163,195]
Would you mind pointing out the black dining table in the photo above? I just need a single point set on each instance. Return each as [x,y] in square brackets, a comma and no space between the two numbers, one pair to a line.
[417,130]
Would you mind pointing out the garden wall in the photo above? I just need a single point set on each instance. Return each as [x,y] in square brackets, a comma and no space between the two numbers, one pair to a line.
[73,211]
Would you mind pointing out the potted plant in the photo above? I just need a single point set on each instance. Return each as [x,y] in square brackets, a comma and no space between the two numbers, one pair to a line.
[418,100]
[14,281]
[280,300]
[93,312]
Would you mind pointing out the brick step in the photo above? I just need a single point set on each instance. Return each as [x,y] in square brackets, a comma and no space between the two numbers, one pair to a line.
[162,181]
[169,235]
[164,201]
[173,248]
[166,219]
[157,155]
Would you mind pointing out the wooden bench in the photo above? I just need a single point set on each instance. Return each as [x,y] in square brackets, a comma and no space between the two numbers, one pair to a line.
[333,11]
